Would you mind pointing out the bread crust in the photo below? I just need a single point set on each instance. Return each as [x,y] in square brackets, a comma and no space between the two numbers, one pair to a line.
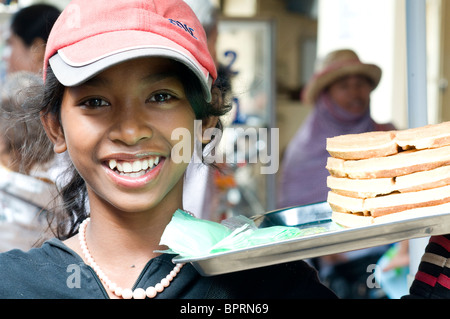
[388,204]
[353,220]
[386,143]
[403,163]
[367,188]
[362,146]
[428,136]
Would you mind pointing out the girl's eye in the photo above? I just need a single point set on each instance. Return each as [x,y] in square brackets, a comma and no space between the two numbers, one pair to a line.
[95,102]
[160,97]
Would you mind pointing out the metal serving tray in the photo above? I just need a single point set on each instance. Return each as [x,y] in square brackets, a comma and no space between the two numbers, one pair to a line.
[334,239]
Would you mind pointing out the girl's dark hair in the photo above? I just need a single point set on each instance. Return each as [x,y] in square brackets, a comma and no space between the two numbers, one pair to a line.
[73,193]
[34,22]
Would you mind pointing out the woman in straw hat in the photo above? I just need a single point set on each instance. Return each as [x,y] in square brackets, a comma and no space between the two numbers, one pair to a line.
[340,92]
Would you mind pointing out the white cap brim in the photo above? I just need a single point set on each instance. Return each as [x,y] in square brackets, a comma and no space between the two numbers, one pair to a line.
[70,74]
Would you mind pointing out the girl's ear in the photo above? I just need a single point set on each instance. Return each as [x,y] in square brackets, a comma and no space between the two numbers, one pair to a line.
[207,123]
[54,132]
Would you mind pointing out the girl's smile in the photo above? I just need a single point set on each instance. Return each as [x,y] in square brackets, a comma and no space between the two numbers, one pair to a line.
[134,173]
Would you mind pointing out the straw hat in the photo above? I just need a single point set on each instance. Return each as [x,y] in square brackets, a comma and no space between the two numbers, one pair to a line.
[335,65]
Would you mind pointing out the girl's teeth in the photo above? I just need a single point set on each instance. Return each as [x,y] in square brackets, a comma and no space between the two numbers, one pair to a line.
[137,166]
[112,164]
[134,167]
[127,168]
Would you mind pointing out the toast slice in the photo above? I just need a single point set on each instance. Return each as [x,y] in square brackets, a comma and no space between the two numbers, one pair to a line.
[428,136]
[388,204]
[366,188]
[354,220]
[362,146]
[361,188]
[403,163]
[385,143]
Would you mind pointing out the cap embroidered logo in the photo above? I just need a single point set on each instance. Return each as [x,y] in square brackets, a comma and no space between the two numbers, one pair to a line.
[183,26]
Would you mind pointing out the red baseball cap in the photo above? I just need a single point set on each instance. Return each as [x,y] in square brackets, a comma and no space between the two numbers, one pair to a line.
[92,35]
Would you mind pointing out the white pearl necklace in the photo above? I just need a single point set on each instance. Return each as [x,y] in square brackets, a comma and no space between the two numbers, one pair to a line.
[126,293]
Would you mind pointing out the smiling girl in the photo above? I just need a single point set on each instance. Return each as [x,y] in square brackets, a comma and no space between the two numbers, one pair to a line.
[120,77]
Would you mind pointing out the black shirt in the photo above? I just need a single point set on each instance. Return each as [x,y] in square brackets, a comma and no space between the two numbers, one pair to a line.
[54,271]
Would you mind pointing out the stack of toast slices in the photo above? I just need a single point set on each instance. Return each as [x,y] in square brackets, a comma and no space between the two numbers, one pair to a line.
[379,177]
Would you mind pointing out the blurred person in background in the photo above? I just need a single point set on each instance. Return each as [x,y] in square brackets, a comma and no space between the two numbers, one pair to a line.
[28,34]
[25,46]
[340,93]
[25,187]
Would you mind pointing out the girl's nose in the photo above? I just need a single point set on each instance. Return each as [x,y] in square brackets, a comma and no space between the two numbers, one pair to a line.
[130,127]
